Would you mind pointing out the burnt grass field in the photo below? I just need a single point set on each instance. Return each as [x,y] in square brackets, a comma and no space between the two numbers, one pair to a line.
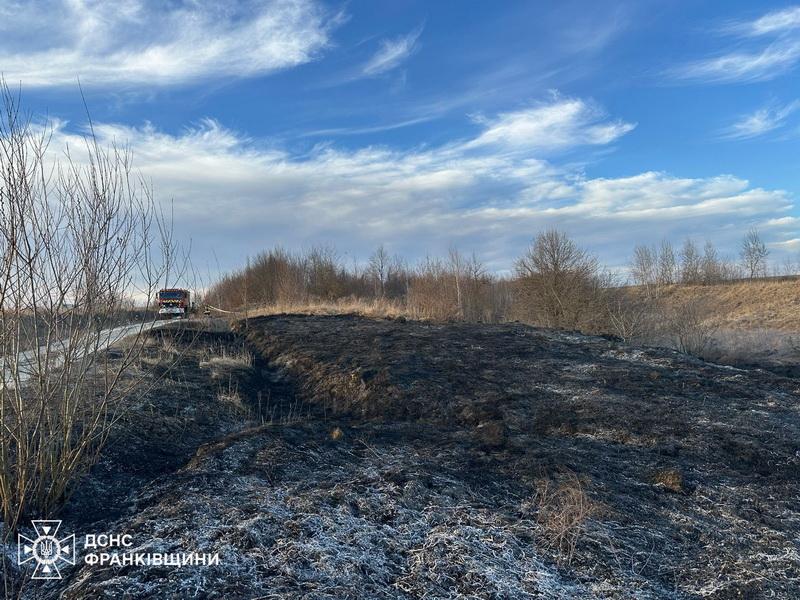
[346,457]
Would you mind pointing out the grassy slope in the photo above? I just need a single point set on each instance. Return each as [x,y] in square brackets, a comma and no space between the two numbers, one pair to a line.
[767,304]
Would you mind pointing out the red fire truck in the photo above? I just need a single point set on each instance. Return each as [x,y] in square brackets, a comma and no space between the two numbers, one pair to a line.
[174,303]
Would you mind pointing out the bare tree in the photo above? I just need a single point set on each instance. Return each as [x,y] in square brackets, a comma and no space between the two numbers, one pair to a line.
[711,264]
[398,278]
[691,263]
[789,266]
[754,254]
[478,303]
[379,265]
[667,265]
[79,241]
[559,282]
[324,273]
[643,267]
[457,270]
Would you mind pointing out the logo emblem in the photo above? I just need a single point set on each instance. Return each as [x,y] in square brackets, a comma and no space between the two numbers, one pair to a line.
[47,550]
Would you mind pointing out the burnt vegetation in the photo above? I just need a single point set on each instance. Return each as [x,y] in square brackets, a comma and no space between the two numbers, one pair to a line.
[395,458]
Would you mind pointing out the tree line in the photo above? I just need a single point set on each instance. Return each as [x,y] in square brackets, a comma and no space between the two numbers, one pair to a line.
[660,265]
[454,287]
[555,283]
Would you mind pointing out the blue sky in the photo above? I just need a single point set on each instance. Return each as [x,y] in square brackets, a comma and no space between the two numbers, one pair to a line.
[428,124]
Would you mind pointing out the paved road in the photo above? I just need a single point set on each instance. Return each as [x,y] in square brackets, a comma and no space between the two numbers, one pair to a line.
[105,338]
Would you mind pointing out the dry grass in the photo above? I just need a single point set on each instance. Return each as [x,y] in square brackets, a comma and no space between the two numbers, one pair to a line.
[743,305]
[760,304]
[739,322]
[227,357]
[365,308]
[229,394]
[670,479]
[563,509]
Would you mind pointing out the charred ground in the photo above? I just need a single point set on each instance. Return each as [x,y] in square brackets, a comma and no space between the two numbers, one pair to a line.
[355,457]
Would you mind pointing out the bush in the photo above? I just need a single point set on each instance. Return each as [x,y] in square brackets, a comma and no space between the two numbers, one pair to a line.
[74,246]
[689,327]
[559,284]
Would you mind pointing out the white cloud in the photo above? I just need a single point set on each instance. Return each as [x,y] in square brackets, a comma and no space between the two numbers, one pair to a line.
[658,196]
[755,61]
[562,123]
[773,22]
[237,197]
[791,245]
[759,65]
[784,222]
[762,121]
[392,53]
[135,42]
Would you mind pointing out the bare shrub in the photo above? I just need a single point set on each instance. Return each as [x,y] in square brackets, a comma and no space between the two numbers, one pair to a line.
[325,275]
[480,296]
[631,318]
[563,511]
[689,327]
[789,266]
[80,241]
[432,292]
[559,284]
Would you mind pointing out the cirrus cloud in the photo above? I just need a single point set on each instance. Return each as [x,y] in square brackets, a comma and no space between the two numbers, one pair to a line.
[764,120]
[392,53]
[757,60]
[135,42]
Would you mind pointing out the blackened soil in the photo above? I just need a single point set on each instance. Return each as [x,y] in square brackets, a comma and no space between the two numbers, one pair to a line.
[365,458]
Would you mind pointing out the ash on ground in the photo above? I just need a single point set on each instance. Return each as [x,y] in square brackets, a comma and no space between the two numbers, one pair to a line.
[346,457]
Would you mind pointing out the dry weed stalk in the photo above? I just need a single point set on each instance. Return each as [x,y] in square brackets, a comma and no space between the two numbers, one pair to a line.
[563,510]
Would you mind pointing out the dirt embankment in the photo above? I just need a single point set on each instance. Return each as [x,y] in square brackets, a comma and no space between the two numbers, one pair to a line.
[390,458]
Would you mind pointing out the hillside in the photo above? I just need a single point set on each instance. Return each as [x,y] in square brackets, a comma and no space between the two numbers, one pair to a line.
[772,304]
[355,457]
